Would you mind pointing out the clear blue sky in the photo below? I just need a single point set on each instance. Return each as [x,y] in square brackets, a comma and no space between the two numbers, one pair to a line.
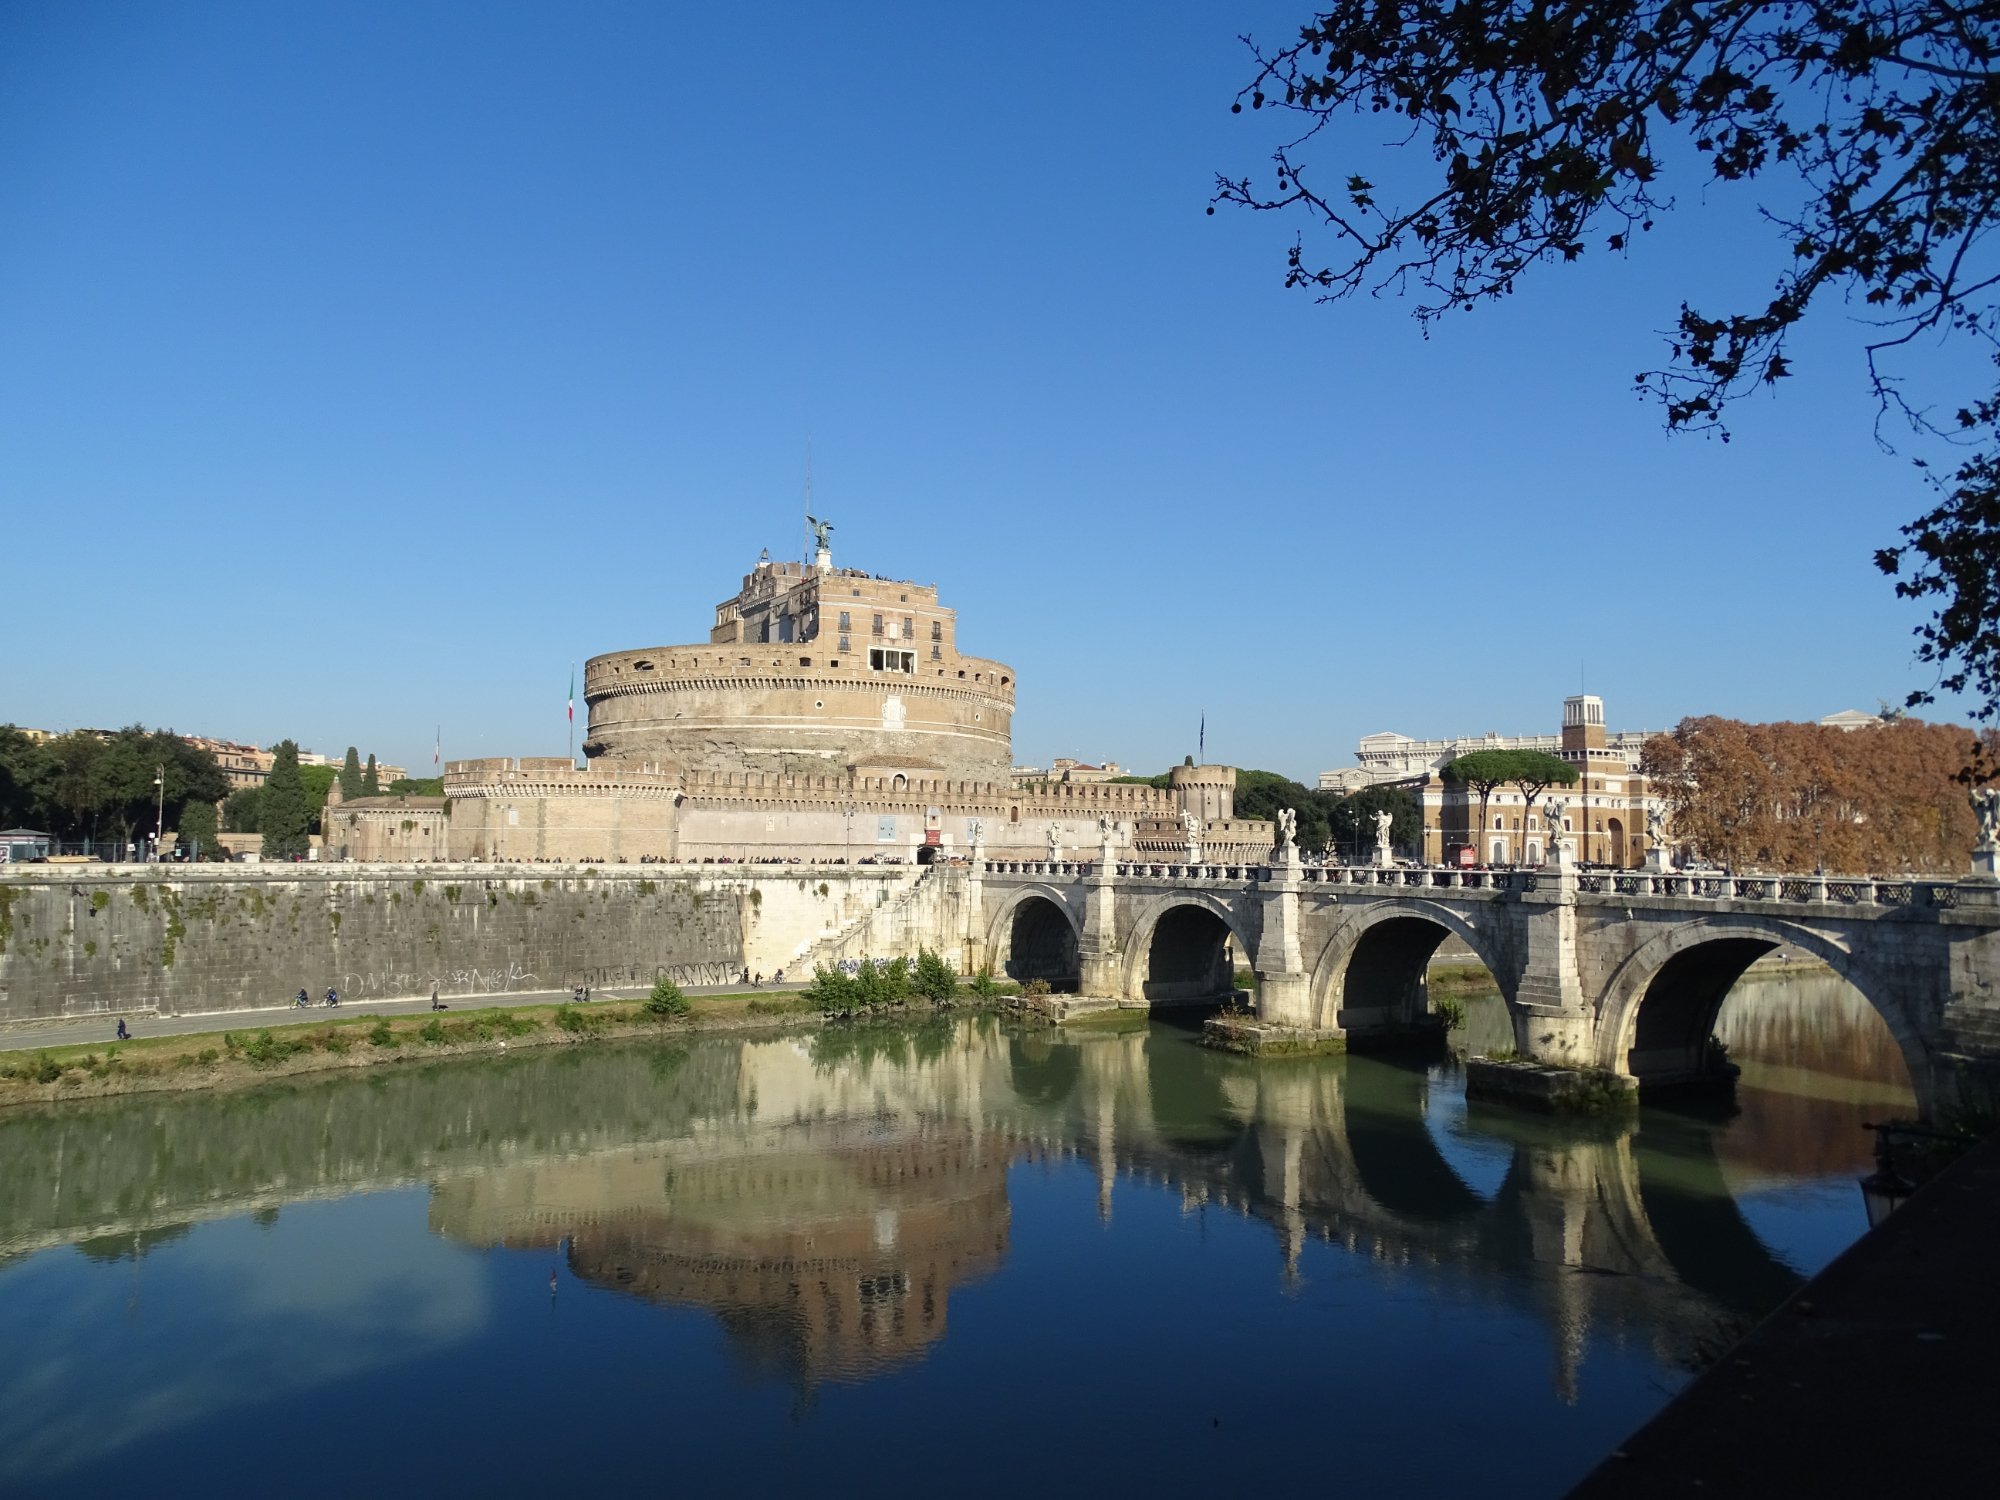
[364,366]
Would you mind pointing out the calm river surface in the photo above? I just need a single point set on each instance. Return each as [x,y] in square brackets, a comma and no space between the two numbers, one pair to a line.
[957,1257]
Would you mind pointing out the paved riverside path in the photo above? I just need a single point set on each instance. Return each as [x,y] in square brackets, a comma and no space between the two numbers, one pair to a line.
[1876,1378]
[70,1033]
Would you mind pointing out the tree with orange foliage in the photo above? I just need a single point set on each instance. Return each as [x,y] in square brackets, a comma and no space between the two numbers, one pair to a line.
[1795,797]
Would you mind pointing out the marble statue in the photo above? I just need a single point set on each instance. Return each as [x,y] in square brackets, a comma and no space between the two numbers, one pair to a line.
[1552,819]
[1288,827]
[1192,825]
[1055,843]
[1383,819]
[1656,825]
[1986,803]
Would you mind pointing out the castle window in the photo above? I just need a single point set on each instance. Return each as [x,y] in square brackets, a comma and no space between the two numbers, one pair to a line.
[936,654]
[742,661]
[843,620]
[937,630]
[880,660]
[805,661]
[843,644]
[878,625]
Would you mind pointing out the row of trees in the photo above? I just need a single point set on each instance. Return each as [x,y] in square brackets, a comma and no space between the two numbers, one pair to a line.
[1327,820]
[91,788]
[82,786]
[1801,796]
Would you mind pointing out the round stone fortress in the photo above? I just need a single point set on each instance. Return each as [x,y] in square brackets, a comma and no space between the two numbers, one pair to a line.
[809,670]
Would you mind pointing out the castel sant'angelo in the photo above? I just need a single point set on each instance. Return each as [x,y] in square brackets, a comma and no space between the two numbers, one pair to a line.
[830,715]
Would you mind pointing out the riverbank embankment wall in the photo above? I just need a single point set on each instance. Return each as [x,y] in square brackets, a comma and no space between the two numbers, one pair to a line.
[107,940]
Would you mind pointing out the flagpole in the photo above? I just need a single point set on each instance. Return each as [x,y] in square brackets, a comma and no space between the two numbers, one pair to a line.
[570,751]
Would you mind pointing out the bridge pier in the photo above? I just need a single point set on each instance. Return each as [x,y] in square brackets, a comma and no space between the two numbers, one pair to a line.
[1101,968]
[1553,1022]
[1284,987]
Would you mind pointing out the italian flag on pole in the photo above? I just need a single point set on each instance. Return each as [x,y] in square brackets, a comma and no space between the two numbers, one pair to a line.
[572,695]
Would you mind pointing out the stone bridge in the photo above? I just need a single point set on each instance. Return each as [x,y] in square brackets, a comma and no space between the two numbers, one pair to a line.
[1619,970]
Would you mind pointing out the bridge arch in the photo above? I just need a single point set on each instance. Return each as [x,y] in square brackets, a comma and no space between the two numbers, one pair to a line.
[1655,1016]
[1176,946]
[1386,947]
[1033,934]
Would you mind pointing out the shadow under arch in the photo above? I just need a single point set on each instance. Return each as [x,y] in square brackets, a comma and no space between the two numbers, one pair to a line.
[1034,936]
[1186,1093]
[1695,1220]
[1179,949]
[1659,1010]
[1396,1160]
[1371,976]
[1043,1070]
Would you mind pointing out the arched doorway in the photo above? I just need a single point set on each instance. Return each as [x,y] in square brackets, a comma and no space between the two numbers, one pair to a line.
[1187,958]
[1041,944]
[1615,829]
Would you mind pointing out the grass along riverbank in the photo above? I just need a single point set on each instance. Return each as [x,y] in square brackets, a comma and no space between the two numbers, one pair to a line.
[242,1056]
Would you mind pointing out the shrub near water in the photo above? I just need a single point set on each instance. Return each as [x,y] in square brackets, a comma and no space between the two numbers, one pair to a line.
[666,1001]
[934,979]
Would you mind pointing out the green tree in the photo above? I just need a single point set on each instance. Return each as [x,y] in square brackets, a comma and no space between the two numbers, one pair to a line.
[1529,130]
[283,812]
[1533,771]
[239,809]
[197,831]
[1260,794]
[350,775]
[371,779]
[318,781]
[1353,818]
[419,786]
[25,772]
[934,978]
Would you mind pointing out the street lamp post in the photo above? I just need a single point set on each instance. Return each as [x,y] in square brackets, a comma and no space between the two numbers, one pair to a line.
[160,824]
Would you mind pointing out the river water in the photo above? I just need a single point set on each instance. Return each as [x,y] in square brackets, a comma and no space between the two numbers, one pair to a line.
[957,1257]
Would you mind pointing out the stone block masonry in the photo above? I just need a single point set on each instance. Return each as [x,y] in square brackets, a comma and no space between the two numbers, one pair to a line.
[134,939]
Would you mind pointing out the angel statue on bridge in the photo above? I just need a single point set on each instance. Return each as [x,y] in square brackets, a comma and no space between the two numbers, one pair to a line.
[1107,829]
[1552,816]
[1986,803]
[1383,818]
[1288,827]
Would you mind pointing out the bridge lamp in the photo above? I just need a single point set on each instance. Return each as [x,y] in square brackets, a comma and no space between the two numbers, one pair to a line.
[1884,1189]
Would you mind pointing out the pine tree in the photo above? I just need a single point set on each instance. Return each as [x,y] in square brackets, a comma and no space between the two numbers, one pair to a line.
[283,811]
[371,781]
[350,776]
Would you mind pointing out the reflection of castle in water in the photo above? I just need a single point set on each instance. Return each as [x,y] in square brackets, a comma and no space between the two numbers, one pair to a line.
[826,1250]
[823,1197]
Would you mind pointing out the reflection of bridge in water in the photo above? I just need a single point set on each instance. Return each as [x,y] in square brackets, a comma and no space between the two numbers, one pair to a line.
[823,1195]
